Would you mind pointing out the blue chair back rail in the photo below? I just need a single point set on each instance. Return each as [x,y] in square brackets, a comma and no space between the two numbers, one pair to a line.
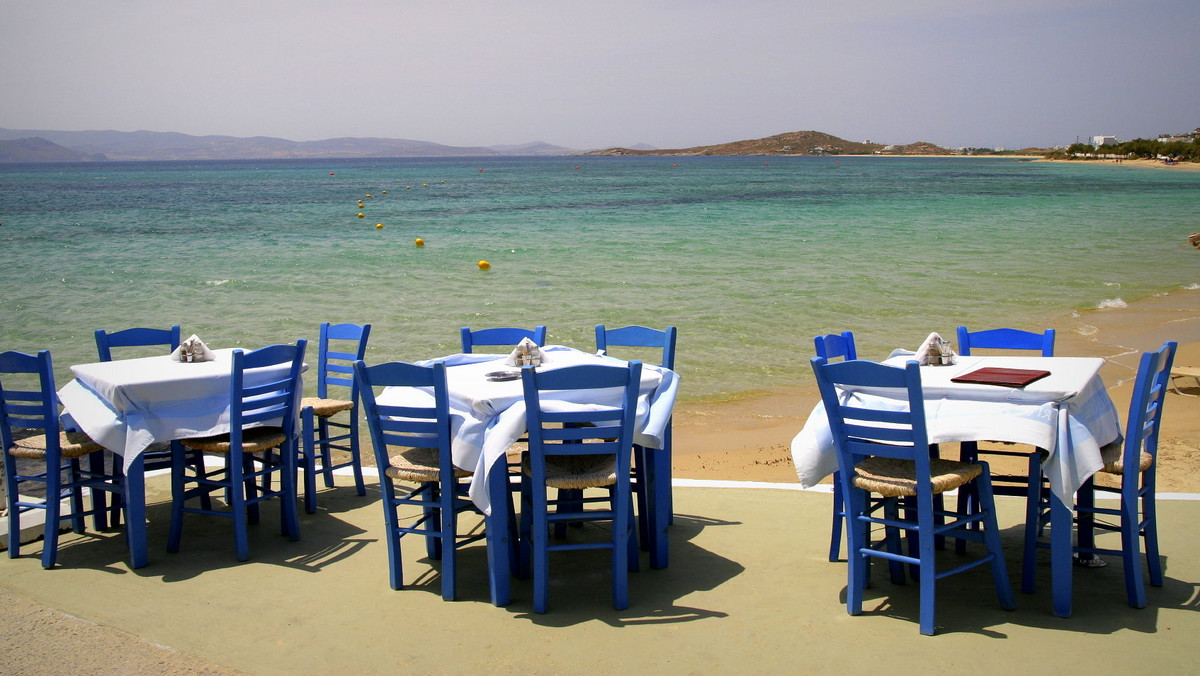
[829,347]
[576,447]
[1134,462]
[255,455]
[1005,339]
[886,452]
[36,450]
[833,345]
[500,336]
[324,427]
[412,444]
[136,337]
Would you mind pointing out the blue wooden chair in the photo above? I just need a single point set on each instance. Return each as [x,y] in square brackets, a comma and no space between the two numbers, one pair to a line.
[158,455]
[829,347]
[500,336]
[647,472]
[1007,341]
[887,453]
[29,430]
[412,444]
[340,346]
[139,337]
[574,448]
[254,455]
[1134,461]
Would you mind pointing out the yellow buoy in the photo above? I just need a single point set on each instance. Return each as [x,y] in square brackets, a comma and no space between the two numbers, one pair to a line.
[379,226]
[361,215]
[484,265]
[368,194]
[424,185]
[385,192]
[419,242]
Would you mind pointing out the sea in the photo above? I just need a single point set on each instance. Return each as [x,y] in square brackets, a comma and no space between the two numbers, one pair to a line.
[749,257]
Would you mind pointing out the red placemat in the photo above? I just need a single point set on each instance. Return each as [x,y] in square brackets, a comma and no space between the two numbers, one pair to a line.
[993,375]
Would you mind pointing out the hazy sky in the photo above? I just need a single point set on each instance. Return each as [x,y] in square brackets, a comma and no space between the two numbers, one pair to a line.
[670,73]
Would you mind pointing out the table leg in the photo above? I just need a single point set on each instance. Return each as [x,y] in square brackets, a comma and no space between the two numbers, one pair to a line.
[659,480]
[135,517]
[1060,555]
[499,542]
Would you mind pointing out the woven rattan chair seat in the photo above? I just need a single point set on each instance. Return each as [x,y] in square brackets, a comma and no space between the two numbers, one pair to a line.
[894,478]
[576,472]
[1114,459]
[31,444]
[254,440]
[418,465]
[323,408]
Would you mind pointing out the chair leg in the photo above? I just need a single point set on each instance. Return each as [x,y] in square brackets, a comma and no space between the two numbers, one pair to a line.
[856,561]
[241,486]
[433,520]
[11,491]
[1150,531]
[621,531]
[1033,518]
[289,519]
[448,528]
[308,448]
[991,537]
[73,478]
[1131,554]
[839,516]
[325,453]
[395,567]
[53,503]
[360,486]
[96,466]
[177,498]
[538,536]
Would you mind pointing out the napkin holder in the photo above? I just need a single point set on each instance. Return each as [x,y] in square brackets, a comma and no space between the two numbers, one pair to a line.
[936,352]
[193,350]
[527,353]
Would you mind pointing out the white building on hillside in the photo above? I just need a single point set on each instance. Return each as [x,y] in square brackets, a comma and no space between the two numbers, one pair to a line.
[1104,140]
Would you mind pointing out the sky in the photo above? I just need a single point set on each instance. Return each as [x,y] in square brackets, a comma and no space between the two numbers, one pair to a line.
[587,74]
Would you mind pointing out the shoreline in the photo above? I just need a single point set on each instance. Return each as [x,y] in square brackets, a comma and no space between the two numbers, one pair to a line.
[749,438]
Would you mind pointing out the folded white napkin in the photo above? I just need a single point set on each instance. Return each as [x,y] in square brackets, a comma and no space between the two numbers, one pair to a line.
[935,351]
[527,353]
[193,350]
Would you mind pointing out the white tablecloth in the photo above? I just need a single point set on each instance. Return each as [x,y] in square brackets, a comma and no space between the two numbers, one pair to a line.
[1068,413]
[128,404]
[487,417]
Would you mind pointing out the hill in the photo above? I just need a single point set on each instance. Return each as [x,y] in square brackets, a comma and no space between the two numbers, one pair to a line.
[151,145]
[793,143]
[37,149]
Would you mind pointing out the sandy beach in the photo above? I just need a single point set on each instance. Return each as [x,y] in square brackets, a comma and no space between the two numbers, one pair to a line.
[744,440]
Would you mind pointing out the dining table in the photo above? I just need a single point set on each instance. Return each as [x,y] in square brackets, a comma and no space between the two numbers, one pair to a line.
[126,405]
[1067,413]
[487,412]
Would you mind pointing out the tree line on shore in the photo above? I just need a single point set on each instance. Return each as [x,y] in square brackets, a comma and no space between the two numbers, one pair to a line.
[1180,151]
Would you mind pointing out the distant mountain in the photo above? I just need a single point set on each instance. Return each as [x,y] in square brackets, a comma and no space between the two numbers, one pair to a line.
[150,145]
[36,149]
[793,143]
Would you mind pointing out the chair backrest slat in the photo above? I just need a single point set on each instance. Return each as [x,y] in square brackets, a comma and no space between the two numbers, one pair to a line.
[1146,405]
[586,430]
[24,408]
[263,401]
[340,345]
[1005,339]
[639,336]
[833,345]
[891,434]
[137,337]
[422,420]
[508,336]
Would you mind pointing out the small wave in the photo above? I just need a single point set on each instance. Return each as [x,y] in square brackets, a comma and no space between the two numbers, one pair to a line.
[1111,303]
[1192,287]
[217,282]
[1116,284]
[1086,330]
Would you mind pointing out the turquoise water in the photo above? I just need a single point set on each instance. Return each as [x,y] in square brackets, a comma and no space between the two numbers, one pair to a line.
[748,257]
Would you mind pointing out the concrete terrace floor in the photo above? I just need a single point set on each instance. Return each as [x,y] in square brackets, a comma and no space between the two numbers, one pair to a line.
[749,589]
